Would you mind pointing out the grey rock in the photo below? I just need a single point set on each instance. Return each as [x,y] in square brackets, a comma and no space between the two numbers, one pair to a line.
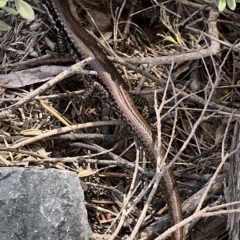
[37,203]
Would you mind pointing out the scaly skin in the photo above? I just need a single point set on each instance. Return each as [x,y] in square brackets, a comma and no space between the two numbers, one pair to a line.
[114,90]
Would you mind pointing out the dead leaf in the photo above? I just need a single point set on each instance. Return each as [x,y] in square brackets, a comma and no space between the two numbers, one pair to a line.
[29,76]
[86,173]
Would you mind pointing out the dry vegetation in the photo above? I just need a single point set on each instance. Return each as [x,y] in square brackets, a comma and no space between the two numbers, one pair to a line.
[185,52]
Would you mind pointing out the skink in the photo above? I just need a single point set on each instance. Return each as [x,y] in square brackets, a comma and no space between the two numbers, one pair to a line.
[83,45]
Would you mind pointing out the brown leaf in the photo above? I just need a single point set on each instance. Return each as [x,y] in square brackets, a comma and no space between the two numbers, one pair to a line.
[29,76]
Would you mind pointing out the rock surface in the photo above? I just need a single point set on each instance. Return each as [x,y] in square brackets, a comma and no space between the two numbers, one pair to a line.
[37,203]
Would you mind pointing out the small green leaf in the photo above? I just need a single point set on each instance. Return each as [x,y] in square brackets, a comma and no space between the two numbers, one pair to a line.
[238,1]
[4,26]
[221,5]
[3,3]
[231,4]
[24,9]
[10,10]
